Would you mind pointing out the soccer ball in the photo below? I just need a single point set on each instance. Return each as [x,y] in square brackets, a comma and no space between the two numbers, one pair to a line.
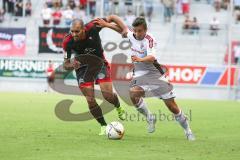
[115,130]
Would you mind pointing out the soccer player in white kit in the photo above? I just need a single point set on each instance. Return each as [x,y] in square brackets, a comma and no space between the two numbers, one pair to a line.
[148,76]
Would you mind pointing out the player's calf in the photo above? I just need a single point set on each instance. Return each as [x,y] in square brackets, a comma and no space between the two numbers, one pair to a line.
[136,94]
[96,111]
[180,118]
[113,99]
[183,121]
[151,119]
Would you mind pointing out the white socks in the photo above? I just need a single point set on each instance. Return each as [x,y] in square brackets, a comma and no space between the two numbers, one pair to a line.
[142,108]
[182,120]
[180,117]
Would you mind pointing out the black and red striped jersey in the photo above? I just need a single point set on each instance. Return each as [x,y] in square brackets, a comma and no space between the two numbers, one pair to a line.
[90,45]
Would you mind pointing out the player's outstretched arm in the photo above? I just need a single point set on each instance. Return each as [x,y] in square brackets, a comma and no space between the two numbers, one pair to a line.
[116,19]
[102,23]
[148,58]
[117,24]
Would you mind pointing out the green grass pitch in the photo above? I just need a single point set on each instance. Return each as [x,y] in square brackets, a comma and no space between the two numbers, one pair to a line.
[29,130]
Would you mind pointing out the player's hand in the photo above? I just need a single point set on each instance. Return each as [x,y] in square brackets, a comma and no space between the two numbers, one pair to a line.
[124,33]
[136,59]
[100,22]
[76,64]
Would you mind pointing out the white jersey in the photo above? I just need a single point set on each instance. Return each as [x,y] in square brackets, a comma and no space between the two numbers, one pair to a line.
[143,48]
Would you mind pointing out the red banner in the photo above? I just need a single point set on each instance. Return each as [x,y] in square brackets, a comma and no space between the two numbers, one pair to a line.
[183,74]
[12,42]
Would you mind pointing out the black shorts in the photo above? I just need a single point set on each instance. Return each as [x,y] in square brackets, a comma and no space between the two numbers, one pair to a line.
[87,76]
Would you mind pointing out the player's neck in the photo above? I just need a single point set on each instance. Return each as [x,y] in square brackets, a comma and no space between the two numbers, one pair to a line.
[83,35]
[139,39]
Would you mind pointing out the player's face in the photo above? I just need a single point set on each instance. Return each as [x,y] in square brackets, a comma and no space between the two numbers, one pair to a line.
[139,32]
[78,32]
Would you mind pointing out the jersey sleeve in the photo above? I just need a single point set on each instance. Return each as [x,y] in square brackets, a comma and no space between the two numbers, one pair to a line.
[130,34]
[151,46]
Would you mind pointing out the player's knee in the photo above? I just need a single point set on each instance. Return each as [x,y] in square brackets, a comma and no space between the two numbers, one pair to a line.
[91,101]
[134,93]
[135,100]
[108,96]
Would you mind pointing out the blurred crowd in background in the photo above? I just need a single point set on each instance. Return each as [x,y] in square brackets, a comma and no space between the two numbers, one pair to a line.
[58,12]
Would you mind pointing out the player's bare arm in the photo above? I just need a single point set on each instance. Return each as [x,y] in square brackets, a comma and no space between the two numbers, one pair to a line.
[148,58]
[103,23]
[116,19]
[119,25]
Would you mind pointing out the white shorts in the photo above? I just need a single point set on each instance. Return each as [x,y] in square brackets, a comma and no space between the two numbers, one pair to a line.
[152,91]
[153,87]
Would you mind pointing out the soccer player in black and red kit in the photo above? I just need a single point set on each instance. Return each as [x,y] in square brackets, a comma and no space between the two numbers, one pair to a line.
[84,40]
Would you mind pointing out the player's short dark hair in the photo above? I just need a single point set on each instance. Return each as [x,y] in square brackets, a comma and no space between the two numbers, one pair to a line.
[76,21]
[140,21]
